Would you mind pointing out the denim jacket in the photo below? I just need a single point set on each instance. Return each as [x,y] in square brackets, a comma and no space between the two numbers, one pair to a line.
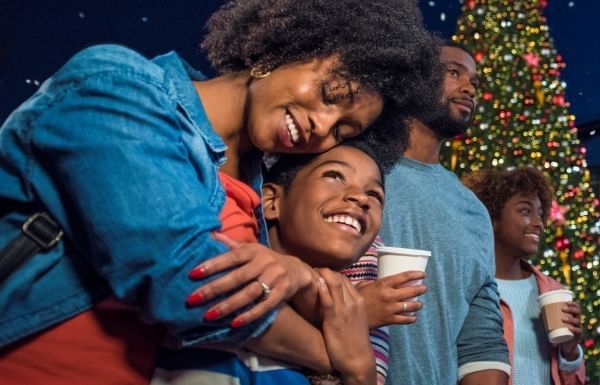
[118,149]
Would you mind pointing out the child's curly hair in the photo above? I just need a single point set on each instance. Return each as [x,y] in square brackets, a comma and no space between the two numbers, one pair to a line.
[495,187]
[381,44]
[285,167]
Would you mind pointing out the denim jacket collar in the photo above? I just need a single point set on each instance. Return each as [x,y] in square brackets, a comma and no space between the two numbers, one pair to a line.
[179,74]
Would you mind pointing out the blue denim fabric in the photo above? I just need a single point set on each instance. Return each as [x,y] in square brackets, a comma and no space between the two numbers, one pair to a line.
[119,150]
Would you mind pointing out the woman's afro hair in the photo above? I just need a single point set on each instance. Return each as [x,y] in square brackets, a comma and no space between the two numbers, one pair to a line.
[381,45]
[495,187]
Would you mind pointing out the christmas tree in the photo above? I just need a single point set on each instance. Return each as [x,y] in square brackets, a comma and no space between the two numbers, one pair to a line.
[523,119]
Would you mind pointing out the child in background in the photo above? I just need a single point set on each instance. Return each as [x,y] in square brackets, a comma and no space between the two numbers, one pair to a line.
[518,201]
[327,210]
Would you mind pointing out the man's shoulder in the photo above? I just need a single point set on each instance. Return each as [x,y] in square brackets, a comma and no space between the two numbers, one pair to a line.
[406,166]
[430,176]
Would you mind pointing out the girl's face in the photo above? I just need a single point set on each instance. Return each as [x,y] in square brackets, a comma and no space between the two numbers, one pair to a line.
[304,107]
[331,212]
[518,231]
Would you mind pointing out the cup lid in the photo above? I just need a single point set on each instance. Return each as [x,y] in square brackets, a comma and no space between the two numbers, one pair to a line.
[560,335]
[404,251]
[554,292]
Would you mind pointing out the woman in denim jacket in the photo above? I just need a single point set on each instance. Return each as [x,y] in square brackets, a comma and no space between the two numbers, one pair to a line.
[123,153]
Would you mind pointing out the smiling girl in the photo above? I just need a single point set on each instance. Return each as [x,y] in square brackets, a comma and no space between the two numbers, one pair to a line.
[518,201]
[326,209]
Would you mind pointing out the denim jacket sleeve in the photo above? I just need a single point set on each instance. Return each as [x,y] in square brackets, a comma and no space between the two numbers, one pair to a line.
[134,188]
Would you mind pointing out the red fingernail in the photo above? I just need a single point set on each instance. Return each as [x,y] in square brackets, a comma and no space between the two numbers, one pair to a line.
[195,299]
[212,314]
[197,273]
[236,323]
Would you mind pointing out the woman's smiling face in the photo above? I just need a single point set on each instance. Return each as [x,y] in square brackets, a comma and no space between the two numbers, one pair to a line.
[331,212]
[306,107]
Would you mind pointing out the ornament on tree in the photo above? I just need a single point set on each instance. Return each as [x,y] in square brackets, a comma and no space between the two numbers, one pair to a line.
[578,254]
[455,146]
[539,92]
[565,266]
[562,243]
[557,212]
[531,59]
[559,100]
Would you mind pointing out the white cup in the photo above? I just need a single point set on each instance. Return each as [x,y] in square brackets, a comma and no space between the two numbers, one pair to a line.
[394,260]
[551,304]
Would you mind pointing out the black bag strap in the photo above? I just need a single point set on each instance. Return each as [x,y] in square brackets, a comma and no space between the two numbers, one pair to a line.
[39,232]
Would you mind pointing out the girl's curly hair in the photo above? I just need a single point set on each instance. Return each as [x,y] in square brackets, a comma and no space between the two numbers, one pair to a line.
[285,167]
[381,44]
[495,187]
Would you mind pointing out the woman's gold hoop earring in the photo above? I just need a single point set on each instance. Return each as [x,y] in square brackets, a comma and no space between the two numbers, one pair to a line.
[259,73]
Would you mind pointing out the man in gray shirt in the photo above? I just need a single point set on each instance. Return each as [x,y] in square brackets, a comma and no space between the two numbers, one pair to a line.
[458,334]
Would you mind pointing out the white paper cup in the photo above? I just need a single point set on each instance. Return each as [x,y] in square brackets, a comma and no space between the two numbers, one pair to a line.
[551,304]
[394,260]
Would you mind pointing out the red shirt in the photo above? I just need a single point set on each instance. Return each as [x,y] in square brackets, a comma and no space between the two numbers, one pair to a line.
[237,218]
[105,345]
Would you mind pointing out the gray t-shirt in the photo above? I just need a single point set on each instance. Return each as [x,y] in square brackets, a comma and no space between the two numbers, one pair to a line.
[460,325]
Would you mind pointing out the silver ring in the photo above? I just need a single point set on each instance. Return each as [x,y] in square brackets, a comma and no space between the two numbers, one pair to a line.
[265,288]
[404,307]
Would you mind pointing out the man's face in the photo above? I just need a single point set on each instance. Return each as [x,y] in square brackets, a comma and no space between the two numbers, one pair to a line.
[459,93]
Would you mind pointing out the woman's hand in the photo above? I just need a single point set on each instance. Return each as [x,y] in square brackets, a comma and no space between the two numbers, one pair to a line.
[306,302]
[572,317]
[392,300]
[345,329]
[258,272]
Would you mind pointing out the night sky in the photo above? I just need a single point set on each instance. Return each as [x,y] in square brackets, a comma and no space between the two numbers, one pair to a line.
[37,37]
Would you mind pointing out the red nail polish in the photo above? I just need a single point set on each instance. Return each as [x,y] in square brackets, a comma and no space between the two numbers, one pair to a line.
[195,299]
[236,323]
[212,314]
[197,273]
